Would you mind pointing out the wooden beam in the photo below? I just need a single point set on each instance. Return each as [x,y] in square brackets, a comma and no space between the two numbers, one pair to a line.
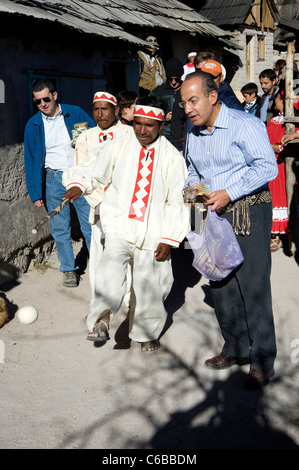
[291,119]
[290,127]
[289,82]
[294,141]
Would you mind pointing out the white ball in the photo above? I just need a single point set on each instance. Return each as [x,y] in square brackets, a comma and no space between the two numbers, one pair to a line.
[27,314]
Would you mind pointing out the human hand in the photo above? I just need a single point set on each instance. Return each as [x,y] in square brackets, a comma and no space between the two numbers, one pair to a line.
[218,200]
[287,137]
[168,116]
[39,203]
[162,251]
[73,193]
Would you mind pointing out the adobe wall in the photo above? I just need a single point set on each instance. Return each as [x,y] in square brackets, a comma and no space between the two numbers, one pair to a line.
[240,76]
[79,63]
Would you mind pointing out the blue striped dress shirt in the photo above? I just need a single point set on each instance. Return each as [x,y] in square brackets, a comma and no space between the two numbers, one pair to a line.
[236,155]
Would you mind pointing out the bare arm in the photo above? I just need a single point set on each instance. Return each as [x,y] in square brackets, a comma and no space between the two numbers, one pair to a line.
[287,137]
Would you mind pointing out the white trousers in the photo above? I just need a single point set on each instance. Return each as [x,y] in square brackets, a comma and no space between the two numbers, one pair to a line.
[96,251]
[151,283]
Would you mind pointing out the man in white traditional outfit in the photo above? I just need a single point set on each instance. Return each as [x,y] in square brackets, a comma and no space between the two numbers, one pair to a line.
[108,128]
[143,215]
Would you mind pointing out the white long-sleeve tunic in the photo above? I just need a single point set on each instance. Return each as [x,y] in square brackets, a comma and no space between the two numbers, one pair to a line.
[144,201]
[89,143]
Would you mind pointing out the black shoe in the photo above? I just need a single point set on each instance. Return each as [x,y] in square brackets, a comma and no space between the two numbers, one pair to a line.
[224,361]
[258,378]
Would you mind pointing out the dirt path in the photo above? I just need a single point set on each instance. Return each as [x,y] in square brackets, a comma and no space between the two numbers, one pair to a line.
[59,391]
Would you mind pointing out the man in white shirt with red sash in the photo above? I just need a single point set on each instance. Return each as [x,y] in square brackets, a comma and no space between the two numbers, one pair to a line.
[143,215]
[108,128]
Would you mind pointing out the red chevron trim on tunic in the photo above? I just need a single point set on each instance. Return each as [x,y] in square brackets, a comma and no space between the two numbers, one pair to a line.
[107,136]
[143,184]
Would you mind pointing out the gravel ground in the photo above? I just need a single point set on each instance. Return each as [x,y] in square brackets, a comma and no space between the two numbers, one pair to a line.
[59,391]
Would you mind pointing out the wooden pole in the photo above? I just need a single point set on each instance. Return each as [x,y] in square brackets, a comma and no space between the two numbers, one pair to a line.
[289,84]
[290,127]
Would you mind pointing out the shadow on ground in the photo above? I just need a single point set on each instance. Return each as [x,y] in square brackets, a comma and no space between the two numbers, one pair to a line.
[235,419]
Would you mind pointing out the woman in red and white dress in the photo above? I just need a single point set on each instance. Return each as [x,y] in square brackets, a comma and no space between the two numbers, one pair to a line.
[276,131]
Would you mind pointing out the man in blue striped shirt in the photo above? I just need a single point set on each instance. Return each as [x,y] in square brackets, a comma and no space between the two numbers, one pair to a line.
[229,151]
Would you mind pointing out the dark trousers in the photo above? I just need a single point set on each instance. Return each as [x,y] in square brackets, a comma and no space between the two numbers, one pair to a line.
[243,301]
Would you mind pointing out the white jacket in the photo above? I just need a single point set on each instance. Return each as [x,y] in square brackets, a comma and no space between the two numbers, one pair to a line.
[88,143]
[166,216]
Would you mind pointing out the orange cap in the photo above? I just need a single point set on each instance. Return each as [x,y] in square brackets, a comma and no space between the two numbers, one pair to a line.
[212,67]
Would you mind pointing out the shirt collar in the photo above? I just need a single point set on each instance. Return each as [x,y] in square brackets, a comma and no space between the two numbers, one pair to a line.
[248,105]
[109,129]
[222,121]
[51,118]
[153,145]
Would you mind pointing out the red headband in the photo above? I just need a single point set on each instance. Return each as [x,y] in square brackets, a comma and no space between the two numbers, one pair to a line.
[149,112]
[104,96]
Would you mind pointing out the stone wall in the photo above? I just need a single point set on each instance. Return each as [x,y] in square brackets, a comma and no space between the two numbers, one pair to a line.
[82,66]
[18,246]
[241,77]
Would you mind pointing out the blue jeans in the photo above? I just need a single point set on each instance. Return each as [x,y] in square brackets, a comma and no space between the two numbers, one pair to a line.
[61,223]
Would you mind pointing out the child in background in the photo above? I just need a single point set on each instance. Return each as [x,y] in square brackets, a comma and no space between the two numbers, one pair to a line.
[189,66]
[251,101]
[126,101]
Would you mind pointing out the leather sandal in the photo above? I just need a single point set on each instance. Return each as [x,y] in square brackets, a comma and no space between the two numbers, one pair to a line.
[275,244]
[100,332]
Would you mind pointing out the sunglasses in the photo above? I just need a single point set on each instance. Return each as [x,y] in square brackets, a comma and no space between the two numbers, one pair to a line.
[45,100]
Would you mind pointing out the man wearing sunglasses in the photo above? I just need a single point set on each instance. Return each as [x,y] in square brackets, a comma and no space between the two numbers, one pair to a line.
[170,92]
[47,152]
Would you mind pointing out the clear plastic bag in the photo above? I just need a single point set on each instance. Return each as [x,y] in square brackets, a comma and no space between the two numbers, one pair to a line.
[216,251]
